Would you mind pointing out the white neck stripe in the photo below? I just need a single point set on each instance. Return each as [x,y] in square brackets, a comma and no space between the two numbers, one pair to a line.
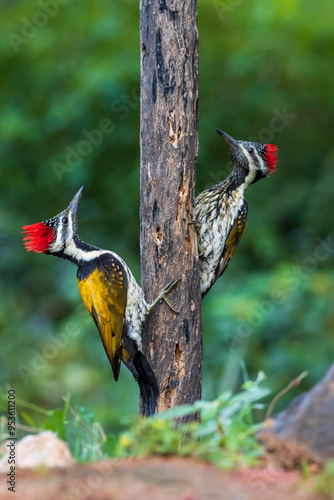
[79,254]
[252,167]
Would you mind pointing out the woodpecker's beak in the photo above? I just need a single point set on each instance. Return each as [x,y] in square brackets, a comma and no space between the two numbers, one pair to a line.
[74,205]
[232,143]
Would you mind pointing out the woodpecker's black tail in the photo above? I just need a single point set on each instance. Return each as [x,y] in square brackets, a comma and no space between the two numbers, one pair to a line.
[140,368]
[148,385]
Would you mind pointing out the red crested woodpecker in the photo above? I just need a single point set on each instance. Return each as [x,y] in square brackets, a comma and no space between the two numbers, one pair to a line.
[109,291]
[221,211]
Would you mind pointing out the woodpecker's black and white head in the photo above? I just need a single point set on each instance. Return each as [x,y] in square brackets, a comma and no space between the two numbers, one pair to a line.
[58,235]
[251,160]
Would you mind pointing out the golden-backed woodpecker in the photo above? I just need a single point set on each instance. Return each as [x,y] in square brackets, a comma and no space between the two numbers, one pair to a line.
[221,211]
[109,291]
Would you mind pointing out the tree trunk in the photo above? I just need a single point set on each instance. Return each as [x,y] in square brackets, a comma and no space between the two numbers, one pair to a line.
[169,144]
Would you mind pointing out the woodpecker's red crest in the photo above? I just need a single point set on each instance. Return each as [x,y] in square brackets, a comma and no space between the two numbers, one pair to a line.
[271,157]
[38,237]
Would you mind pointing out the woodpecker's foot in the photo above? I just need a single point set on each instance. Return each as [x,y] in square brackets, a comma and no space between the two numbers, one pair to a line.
[163,297]
[197,225]
[168,288]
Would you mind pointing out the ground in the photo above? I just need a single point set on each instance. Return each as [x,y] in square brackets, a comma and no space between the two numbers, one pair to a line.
[278,475]
[160,478]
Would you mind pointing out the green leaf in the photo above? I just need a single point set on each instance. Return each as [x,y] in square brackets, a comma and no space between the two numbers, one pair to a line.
[28,419]
[56,423]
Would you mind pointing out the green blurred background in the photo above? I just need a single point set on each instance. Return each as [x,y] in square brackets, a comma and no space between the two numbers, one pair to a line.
[266,73]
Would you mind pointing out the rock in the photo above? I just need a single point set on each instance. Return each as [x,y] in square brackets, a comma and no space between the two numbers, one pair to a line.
[40,450]
[309,419]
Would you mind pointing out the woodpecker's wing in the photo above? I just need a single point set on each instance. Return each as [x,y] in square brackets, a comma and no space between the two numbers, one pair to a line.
[232,241]
[103,289]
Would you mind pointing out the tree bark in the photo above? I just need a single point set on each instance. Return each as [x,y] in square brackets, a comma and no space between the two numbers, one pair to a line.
[169,144]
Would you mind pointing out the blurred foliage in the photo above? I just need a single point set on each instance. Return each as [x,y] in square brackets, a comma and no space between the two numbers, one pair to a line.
[325,481]
[75,425]
[66,68]
[225,435]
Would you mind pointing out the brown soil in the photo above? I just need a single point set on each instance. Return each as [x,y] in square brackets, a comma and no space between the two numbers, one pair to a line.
[159,478]
[287,454]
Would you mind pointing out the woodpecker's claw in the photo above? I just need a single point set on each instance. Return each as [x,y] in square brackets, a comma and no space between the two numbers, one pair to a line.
[196,223]
[170,305]
[163,297]
[168,288]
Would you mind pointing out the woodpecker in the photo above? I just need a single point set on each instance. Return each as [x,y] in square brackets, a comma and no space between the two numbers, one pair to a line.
[221,211]
[109,291]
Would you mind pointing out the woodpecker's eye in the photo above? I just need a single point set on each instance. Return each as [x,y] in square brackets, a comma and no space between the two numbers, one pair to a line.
[64,220]
[250,150]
